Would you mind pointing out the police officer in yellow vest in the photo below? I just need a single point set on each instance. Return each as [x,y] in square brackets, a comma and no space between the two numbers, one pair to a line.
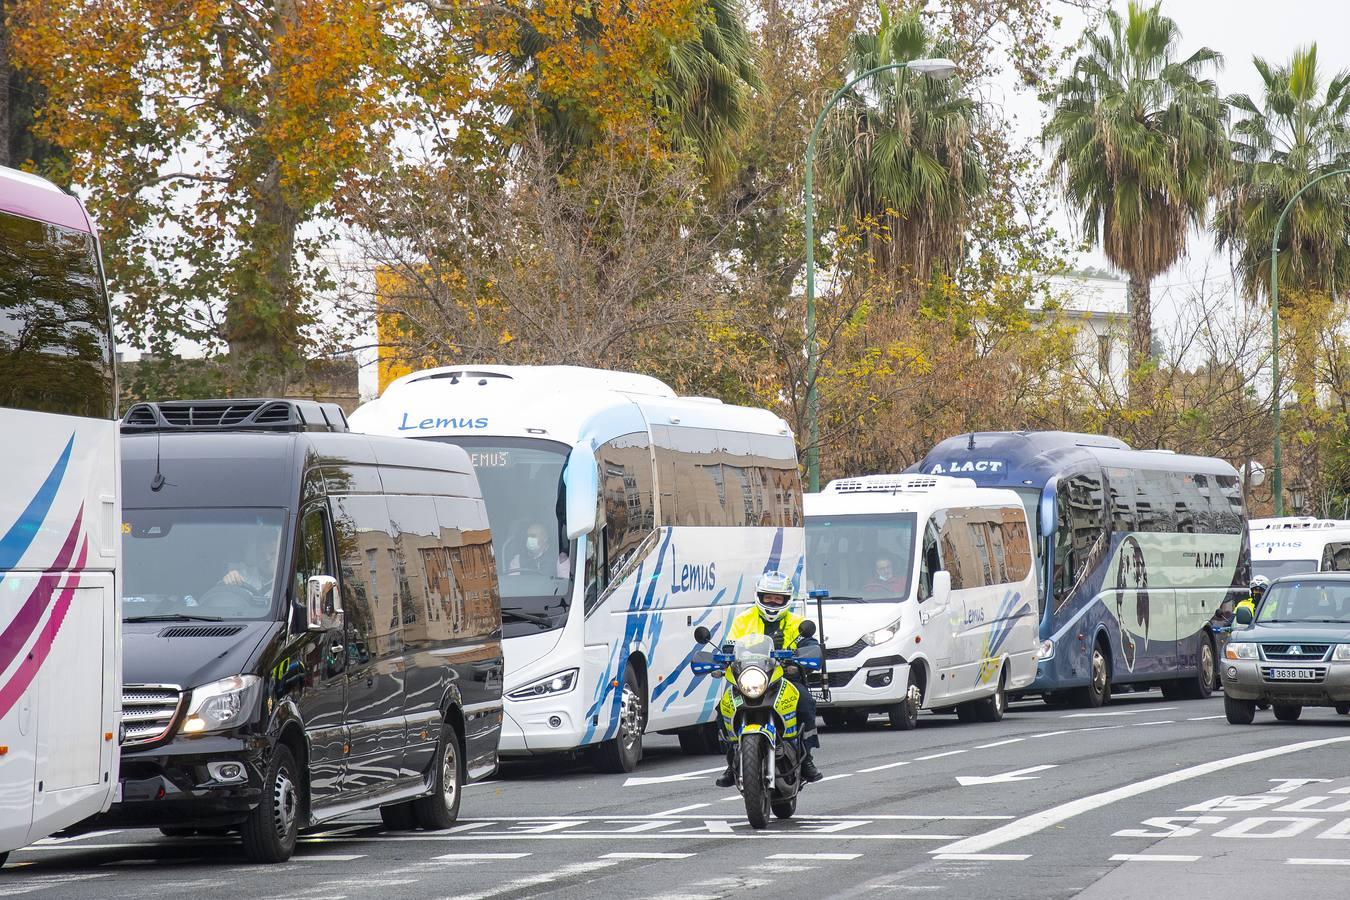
[770,615]
[1258,590]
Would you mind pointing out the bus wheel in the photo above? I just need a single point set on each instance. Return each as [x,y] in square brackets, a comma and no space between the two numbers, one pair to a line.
[1343,709]
[992,708]
[1098,690]
[622,752]
[904,715]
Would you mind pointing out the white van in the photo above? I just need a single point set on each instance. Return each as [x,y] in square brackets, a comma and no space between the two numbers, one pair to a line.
[932,597]
[1295,545]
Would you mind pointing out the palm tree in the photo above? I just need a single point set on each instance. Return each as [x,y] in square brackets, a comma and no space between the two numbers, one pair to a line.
[704,94]
[1297,133]
[900,156]
[1140,145]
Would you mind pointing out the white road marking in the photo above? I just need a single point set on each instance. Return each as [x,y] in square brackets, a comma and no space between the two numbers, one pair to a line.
[647,856]
[42,883]
[637,781]
[833,777]
[838,856]
[679,809]
[1036,822]
[480,856]
[330,857]
[938,755]
[1204,718]
[1303,861]
[1146,724]
[1006,777]
[1118,712]
[1055,733]
[521,884]
[1000,743]
[54,841]
[1152,857]
[894,765]
[982,857]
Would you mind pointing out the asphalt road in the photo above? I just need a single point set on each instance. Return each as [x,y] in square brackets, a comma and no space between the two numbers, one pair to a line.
[1143,799]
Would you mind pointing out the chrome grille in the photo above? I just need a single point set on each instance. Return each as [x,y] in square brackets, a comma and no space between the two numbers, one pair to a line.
[1305,652]
[148,712]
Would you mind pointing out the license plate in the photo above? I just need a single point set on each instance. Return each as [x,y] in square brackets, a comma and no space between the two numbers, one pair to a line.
[819,693]
[1293,674]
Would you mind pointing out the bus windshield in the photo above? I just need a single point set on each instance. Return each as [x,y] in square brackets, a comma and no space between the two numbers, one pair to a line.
[860,559]
[209,564]
[522,484]
[1277,568]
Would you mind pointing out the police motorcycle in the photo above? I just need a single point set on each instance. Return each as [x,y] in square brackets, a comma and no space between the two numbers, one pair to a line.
[761,705]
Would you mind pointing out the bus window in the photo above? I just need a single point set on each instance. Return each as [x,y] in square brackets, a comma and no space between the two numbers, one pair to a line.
[626,492]
[1336,558]
[1122,490]
[1082,524]
[931,562]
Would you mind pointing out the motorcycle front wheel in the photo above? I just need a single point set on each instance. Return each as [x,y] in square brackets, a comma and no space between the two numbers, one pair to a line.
[754,770]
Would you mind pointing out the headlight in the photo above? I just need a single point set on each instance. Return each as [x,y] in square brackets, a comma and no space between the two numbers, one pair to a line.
[882,635]
[222,704]
[557,683]
[1240,651]
[1342,652]
[752,682]
[1046,650]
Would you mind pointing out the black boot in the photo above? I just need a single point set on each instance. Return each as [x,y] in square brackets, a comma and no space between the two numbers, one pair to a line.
[810,774]
[728,778]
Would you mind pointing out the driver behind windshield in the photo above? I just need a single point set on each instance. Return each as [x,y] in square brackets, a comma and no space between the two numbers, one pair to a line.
[886,580]
[538,554]
[256,568]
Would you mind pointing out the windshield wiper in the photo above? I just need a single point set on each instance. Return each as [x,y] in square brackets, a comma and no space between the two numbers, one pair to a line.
[849,597]
[519,615]
[173,617]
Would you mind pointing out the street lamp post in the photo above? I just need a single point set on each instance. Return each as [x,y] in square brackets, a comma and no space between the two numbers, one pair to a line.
[1277,478]
[933,68]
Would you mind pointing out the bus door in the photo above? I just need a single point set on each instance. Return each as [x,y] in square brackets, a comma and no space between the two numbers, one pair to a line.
[938,616]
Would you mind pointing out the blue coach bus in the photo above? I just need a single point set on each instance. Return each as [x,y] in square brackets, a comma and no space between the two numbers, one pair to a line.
[1141,555]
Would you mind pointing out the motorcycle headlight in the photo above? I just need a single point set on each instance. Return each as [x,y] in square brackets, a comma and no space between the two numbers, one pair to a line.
[557,683]
[1240,650]
[752,683]
[222,704]
[1341,653]
[881,635]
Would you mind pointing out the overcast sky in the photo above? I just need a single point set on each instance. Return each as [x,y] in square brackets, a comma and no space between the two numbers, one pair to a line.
[1240,30]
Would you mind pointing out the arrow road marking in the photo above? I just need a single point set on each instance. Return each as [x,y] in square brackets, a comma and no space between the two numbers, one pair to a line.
[1018,775]
[637,781]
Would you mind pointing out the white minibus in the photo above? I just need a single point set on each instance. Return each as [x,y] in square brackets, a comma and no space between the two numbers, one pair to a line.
[622,517]
[931,597]
[1295,545]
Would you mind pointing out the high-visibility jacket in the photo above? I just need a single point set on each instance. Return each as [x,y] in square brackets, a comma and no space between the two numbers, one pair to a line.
[786,631]
[1249,603]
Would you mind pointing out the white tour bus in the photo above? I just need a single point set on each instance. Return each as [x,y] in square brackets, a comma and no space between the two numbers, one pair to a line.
[932,596]
[622,517]
[60,545]
[1294,545]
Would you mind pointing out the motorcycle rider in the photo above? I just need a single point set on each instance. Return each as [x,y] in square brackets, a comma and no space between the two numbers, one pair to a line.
[770,616]
[1258,590]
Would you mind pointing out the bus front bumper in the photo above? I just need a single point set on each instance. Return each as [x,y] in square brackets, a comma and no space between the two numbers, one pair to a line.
[173,785]
[539,726]
[879,681]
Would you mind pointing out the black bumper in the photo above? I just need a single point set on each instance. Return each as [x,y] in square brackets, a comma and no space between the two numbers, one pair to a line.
[171,786]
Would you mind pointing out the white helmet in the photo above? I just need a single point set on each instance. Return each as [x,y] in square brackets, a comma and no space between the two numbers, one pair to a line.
[772,593]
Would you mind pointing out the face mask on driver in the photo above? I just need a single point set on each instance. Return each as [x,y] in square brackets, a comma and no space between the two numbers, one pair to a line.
[532,544]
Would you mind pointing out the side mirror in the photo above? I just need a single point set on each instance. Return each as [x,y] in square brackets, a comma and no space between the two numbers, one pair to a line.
[1047,511]
[702,634]
[323,605]
[583,492]
[1243,615]
[807,629]
[942,586]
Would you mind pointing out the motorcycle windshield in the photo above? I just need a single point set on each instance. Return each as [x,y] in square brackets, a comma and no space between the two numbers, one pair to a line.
[755,650]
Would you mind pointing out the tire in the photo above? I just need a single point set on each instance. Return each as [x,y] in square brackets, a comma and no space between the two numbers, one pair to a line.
[965,712]
[834,718]
[1239,712]
[3,856]
[904,715]
[1343,709]
[1201,685]
[784,809]
[753,769]
[1055,699]
[440,809]
[1288,712]
[1097,693]
[623,752]
[992,708]
[177,831]
[701,740]
[270,830]
[398,817]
